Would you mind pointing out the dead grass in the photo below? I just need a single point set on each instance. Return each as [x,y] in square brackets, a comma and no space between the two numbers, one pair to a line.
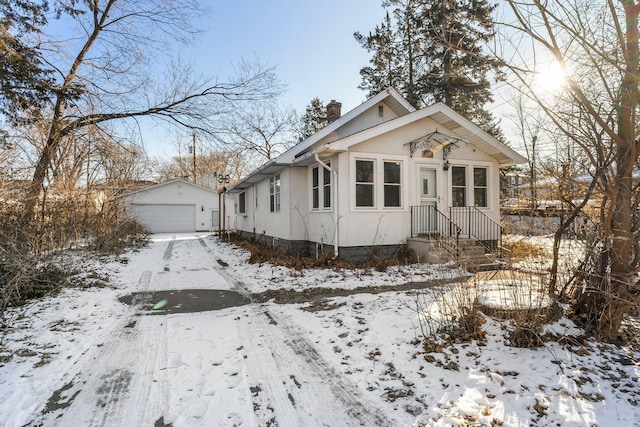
[40,258]
[263,253]
[521,250]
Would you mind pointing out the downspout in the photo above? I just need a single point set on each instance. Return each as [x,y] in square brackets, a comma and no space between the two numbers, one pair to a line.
[336,240]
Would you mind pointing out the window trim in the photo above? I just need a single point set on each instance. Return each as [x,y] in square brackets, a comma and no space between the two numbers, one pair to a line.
[371,183]
[315,188]
[470,166]
[275,193]
[325,179]
[386,184]
[378,181]
[465,187]
[255,196]
[485,187]
[242,203]
[327,182]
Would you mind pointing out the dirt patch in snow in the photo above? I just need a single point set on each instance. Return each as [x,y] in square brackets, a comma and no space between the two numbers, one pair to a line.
[198,300]
[315,295]
[185,301]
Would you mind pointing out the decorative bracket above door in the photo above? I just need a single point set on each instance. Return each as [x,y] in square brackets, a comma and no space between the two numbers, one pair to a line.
[436,141]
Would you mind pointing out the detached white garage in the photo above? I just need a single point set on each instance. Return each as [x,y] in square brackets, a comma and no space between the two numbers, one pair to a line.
[175,206]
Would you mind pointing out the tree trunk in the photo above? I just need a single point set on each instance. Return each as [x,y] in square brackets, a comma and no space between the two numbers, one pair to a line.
[36,186]
[619,295]
[610,296]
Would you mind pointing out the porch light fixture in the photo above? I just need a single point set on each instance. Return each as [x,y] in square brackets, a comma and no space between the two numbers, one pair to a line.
[445,165]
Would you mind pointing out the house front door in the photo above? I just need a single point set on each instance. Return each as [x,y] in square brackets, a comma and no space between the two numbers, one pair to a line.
[428,197]
[428,187]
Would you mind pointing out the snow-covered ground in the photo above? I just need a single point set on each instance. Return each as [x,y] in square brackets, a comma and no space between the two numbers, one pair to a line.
[85,358]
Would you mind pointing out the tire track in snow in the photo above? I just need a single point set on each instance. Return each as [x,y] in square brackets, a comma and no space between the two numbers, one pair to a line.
[270,393]
[323,395]
[345,392]
[302,387]
[121,382]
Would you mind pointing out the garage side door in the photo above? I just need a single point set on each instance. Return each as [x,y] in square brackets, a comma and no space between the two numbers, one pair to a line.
[166,218]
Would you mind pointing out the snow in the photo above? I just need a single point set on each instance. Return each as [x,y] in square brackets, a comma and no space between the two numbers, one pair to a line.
[84,358]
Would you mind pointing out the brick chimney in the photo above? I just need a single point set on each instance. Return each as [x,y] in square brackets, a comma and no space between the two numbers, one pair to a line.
[333,111]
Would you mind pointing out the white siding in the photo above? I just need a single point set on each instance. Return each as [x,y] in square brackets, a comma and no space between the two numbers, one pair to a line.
[387,226]
[379,225]
[175,206]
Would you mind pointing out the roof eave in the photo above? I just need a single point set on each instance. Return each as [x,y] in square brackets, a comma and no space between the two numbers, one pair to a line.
[256,176]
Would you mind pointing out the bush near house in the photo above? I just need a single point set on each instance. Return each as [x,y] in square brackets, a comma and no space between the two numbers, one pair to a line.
[261,252]
[38,259]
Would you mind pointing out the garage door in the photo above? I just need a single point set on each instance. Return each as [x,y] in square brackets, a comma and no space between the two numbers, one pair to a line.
[161,218]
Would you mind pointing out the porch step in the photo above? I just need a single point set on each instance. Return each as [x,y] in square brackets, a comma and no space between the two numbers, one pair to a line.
[468,254]
[473,257]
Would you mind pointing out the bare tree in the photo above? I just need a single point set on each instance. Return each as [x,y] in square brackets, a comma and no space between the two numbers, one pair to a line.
[117,163]
[597,44]
[260,130]
[529,128]
[207,162]
[106,73]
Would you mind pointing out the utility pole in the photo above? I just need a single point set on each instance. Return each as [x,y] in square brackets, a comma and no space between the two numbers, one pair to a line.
[533,177]
[195,176]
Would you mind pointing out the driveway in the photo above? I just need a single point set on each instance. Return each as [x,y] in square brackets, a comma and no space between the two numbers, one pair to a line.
[176,338]
[194,349]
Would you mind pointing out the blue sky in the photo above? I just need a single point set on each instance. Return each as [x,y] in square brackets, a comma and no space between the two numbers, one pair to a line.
[310,43]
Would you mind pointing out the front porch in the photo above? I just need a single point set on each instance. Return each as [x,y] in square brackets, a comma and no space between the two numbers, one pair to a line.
[462,234]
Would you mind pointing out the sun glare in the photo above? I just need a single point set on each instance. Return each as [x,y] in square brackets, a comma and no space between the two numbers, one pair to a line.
[551,78]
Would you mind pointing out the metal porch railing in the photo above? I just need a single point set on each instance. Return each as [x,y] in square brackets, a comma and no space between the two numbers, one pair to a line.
[428,221]
[477,225]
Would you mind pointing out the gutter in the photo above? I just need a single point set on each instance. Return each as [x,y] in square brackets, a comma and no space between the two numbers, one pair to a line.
[336,235]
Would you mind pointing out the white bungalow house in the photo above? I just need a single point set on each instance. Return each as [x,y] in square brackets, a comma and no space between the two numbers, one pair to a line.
[375,178]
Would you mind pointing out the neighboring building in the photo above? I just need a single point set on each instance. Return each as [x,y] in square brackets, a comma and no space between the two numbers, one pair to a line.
[384,173]
[174,206]
[511,180]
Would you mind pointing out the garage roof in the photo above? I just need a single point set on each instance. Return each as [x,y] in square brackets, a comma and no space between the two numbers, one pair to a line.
[173,181]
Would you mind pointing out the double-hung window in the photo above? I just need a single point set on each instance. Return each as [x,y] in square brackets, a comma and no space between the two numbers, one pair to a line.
[274,193]
[392,185]
[326,187]
[480,188]
[378,183]
[242,203]
[255,195]
[320,187]
[365,190]
[315,187]
[470,186]
[458,186]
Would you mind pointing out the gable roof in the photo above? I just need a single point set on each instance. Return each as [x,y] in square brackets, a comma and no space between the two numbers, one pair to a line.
[321,140]
[173,181]
[451,120]
[389,96]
